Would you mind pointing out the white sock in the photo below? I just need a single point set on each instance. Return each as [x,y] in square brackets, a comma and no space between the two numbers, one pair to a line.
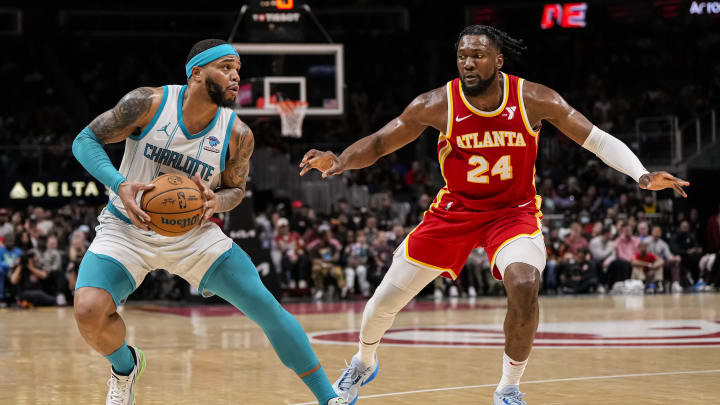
[512,372]
[366,353]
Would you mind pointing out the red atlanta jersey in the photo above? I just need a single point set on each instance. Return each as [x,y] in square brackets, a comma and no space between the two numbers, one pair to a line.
[487,158]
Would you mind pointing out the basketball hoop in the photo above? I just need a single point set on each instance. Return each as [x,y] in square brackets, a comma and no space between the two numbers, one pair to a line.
[292,114]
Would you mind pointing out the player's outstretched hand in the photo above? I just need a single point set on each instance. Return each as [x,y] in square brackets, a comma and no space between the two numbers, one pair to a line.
[326,162]
[662,180]
[210,204]
[127,192]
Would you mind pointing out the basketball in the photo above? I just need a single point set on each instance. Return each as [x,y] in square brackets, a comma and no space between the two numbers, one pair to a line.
[175,205]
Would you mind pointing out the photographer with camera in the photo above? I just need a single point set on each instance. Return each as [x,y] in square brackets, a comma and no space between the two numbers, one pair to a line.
[28,279]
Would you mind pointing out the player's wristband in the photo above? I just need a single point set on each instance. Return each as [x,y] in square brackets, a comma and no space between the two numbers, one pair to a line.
[614,153]
[88,150]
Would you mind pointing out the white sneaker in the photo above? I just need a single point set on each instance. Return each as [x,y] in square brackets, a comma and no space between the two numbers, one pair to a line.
[318,295]
[438,294]
[353,377]
[60,300]
[454,292]
[302,284]
[337,401]
[293,284]
[122,388]
[676,288]
[472,293]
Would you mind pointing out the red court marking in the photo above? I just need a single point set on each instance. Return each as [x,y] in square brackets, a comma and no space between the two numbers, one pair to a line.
[309,308]
[597,341]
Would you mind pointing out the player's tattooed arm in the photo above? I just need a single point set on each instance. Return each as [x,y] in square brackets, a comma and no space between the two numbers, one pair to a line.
[133,112]
[237,168]
[426,110]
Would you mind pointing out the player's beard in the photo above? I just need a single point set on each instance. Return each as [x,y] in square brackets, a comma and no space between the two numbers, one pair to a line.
[217,94]
[480,88]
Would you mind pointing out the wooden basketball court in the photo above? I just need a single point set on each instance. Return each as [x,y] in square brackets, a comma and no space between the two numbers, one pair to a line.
[590,350]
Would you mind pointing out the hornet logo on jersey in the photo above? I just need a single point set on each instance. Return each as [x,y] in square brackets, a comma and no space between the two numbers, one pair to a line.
[164,129]
[510,112]
[213,141]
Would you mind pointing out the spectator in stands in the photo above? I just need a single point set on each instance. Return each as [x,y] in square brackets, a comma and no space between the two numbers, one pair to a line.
[626,246]
[357,254]
[32,230]
[685,245]
[341,207]
[610,200]
[371,227]
[6,227]
[649,204]
[695,226]
[602,252]
[418,209]
[591,202]
[648,268]
[48,260]
[712,232]
[578,273]
[397,236]
[416,176]
[597,230]
[9,255]
[44,223]
[294,262]
[381,261]
[480,275]
[661,249]
[47,254]
[28,279]
[299,221]
[24,241]
[575,241]
[75,252]
[563,200]
[325,256]
[643,231]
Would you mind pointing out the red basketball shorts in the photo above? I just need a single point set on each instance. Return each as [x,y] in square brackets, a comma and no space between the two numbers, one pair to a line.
[444,239]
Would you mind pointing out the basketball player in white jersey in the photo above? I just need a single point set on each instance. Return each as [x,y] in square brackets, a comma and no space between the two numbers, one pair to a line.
[187,130]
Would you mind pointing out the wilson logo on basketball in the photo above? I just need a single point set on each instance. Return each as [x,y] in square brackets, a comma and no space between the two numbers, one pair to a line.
[181,222]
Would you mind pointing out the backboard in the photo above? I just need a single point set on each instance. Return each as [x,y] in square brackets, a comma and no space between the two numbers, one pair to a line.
[306,72]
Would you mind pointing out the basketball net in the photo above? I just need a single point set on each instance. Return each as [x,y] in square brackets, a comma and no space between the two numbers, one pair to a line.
[292,114]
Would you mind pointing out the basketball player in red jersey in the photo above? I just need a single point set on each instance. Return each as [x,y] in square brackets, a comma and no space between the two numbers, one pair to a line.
[489,125]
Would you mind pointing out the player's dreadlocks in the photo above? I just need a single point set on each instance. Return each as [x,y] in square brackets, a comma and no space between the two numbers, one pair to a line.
[506,44]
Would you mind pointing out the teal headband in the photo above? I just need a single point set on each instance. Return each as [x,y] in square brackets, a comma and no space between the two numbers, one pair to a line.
[209,55]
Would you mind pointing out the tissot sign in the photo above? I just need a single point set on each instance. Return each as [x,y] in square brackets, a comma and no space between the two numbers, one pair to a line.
[52,189]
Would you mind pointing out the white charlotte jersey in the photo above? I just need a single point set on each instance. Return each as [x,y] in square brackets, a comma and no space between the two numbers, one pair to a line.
[166,146]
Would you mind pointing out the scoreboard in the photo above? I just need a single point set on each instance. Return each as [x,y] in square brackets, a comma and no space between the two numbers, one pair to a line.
[576,15]
[276,21]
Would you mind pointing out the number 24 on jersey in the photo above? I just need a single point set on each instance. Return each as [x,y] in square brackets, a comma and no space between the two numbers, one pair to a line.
[501,168]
